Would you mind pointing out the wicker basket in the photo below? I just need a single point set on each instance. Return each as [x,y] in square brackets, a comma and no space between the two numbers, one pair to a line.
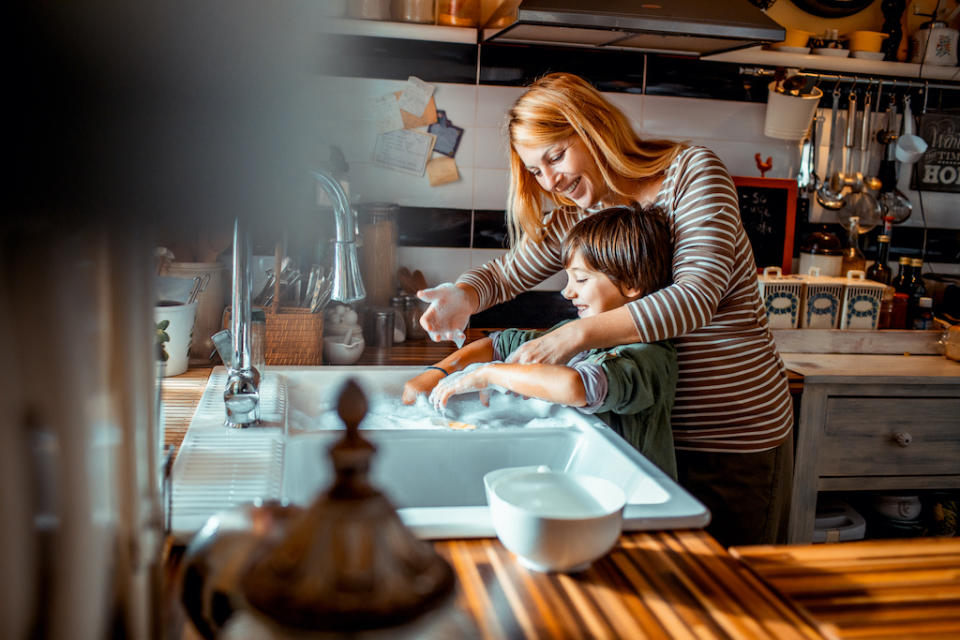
[294,336]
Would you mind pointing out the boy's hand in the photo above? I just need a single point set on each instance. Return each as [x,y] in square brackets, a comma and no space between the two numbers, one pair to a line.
[474,378]
[423,383]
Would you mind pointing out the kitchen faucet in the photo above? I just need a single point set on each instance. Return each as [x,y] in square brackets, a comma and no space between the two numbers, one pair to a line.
[241,396]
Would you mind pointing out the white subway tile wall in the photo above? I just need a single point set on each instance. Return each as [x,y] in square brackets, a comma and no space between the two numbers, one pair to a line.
[734,130]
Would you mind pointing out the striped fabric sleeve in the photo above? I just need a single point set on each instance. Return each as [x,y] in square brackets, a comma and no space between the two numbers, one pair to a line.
[523,267]
[705,225]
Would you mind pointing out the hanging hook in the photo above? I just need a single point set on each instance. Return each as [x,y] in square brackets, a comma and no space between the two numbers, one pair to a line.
[836,87]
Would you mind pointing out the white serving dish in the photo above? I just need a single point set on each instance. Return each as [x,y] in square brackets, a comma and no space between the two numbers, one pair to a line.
[432,473]
[832,52]
[867,55]
[785,49]
[552,520]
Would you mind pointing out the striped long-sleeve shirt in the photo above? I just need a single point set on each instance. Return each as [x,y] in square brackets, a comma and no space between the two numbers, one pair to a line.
[732,393]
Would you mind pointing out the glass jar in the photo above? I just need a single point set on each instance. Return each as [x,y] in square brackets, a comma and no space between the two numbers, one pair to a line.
[413,311]
[413,11]
[458,13]
[378,255]
[369,9]
[399,322]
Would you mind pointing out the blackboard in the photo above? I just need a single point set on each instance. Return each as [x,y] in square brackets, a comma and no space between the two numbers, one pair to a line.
[768,208]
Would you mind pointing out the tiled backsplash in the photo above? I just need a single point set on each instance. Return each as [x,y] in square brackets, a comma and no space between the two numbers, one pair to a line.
[446,229]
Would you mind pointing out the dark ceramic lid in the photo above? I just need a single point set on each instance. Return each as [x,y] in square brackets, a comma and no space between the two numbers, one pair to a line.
[822,242]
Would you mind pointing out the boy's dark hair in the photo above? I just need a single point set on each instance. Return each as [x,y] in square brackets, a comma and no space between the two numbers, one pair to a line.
[631,245]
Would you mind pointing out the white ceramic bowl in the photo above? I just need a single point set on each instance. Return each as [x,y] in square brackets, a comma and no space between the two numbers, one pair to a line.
[554,521]
[337,352]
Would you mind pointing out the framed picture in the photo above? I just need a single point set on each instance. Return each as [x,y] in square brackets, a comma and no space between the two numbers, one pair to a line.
[939,167]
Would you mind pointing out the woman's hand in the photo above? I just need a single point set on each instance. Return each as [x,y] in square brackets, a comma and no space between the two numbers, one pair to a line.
[422,384]
[474,378]
[449,311]
[556,347]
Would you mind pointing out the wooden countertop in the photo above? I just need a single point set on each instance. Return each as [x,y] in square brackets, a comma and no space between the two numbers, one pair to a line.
[671,584]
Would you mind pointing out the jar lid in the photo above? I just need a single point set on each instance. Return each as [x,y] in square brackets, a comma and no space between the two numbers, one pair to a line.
[822,242]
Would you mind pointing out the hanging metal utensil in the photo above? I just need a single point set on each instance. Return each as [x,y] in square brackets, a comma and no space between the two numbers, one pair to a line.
[826,196]
[859,203]
[910,147]
[867,179]
[842,178]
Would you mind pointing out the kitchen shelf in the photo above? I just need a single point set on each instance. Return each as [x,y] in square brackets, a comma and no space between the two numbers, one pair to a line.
[850,66]
[401,30]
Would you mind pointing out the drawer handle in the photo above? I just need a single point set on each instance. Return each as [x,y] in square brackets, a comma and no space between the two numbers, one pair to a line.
[903,439]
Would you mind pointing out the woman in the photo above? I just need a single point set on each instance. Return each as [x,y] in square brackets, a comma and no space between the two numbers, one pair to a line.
[732,417]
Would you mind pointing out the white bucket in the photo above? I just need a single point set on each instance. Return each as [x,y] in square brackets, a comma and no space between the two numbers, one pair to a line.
[788,117]
[215,282]
[180,319]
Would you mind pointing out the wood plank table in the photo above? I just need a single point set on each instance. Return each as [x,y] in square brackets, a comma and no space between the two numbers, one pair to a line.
[894,589]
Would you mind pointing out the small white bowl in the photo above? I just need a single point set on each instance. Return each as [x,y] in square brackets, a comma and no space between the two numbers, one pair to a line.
[554,521]
[336,352]
[779,46]
[867,55]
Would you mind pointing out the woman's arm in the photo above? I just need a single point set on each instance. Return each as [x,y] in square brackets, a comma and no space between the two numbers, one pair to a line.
[477,351]
[553,383]
[709,252]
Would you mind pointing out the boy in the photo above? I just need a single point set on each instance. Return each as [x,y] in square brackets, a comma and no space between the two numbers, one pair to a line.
[611,257]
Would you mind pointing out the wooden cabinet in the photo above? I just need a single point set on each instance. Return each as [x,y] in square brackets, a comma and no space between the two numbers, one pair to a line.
[869,422]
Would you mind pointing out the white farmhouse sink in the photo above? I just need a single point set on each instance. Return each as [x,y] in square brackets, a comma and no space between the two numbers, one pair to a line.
[431,472]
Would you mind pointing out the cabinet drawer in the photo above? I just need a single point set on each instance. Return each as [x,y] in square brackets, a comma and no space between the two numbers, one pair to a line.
[887,436]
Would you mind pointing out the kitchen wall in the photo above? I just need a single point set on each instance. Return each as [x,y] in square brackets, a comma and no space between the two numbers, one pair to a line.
[449,228]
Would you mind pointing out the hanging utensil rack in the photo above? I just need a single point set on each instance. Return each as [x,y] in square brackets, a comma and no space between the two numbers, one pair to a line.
[828,77]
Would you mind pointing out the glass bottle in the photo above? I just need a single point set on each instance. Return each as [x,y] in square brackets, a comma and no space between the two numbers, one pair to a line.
[923,318]
[917,290]
[880,271]
[853,258]
[901,281]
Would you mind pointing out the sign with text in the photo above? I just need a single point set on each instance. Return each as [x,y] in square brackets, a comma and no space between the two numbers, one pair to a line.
[939,168]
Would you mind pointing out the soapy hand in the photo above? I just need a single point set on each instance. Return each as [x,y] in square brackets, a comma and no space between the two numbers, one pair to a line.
[448,313]
[473,378]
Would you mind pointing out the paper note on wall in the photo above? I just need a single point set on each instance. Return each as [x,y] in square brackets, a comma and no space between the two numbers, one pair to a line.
[428,117]
[385,113]
[442,171]
[415,96]
[403,150]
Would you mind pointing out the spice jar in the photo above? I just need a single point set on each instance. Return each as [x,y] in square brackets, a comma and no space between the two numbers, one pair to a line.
[413,311]
[399,322]
[413,11]
[378,255]
[458,13]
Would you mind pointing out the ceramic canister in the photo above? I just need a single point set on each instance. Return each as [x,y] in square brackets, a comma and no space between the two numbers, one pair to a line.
[861,302]
[822,299]
[781,296]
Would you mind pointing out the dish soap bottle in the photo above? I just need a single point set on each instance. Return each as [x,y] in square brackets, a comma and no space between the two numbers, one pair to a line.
[853,258]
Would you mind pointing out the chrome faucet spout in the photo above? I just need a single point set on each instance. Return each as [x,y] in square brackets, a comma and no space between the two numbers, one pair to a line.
[241,395]
[347,283]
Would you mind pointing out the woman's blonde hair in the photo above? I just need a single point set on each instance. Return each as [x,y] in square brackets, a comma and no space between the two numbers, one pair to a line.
[552,109]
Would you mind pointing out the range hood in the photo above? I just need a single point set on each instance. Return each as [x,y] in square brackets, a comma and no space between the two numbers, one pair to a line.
[684,27]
